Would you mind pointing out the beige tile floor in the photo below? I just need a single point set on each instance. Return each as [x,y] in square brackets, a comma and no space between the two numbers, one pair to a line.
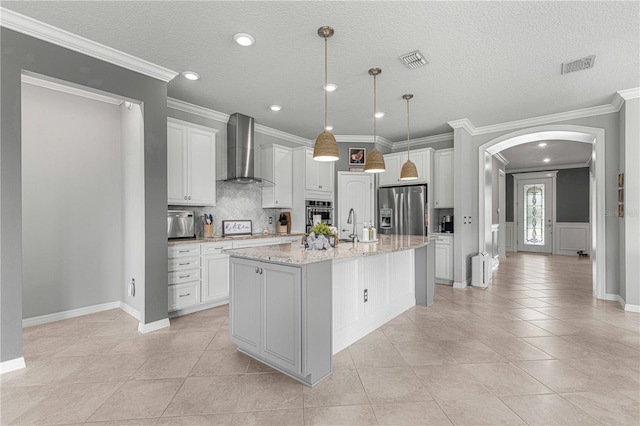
[535,348]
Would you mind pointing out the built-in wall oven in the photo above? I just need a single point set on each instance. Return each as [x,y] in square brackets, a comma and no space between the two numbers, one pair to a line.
[318,211]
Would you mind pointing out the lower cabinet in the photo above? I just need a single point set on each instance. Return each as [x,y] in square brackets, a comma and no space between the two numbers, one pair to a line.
[444,259]
[270,319]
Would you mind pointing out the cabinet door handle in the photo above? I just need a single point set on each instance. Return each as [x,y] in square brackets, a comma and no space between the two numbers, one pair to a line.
[185,276]
[185,197]
[320,186]
[184,251]
[183,264]
[260,271]
[257,270]
[185,295]
[189,196]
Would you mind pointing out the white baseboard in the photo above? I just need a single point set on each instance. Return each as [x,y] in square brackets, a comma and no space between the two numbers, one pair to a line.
[72,313]
[631,308]
[12,365]
[130,310]
[626,306]
[614,298]
[153,326]
[461,285]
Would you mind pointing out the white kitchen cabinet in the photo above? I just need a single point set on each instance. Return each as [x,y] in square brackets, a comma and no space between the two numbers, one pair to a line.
[277,169]
[318,176]
[444,259]
[191,159]
[184,276]
[443,178]
[394,161]
[215,272]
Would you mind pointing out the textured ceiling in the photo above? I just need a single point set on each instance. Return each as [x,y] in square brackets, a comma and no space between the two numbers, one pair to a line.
[559,153]
[491,62]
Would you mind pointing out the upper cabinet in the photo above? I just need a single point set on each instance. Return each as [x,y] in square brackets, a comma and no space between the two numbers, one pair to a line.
[318,176]
[443,178]
[394,161]
[191,159]
[277,169]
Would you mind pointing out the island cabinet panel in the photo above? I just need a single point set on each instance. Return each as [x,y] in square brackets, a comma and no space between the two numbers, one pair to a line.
[377,283]
[244,312]
[347,298]
[281,315]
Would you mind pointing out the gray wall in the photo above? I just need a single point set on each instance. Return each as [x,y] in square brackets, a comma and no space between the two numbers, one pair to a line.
[21,52]
[342,165]
[572,196]
[71,175]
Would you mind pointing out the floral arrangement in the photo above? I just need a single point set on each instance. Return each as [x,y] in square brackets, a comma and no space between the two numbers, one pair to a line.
[320,235]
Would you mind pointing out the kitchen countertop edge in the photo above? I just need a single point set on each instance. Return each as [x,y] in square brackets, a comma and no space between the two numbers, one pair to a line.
[237,238]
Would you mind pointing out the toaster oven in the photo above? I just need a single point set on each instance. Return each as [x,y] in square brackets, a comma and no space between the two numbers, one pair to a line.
[180,224]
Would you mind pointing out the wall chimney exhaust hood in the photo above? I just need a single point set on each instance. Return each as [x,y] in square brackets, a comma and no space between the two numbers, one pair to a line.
[240,149]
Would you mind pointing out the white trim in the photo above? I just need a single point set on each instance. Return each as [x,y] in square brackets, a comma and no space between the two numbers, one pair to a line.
[40,30]
[501,158]
[153,326]
[543,168]
[519,226]
[444,137]
[537,175]
[259,128]
[49,83]
[614,298]
[192,125]
[12,365]
[130,310]
[365,139]
[548,119]
[460,286]
[509,236]
[625,306]
[197,308]
[72,313]
[631,308]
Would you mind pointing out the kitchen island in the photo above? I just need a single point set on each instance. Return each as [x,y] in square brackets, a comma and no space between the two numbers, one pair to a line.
[293,308]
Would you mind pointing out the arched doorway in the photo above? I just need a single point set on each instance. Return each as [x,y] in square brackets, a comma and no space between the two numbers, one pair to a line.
[591,135]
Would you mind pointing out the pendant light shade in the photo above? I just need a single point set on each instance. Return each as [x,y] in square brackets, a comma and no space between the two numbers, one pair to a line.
[325,147]
[375,160]
[409,170]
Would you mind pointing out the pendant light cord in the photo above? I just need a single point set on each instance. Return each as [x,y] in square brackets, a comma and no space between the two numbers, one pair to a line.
[375,133]
[408,136]
[326,71]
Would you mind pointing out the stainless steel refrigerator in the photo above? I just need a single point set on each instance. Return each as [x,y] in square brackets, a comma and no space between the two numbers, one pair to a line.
[403,210]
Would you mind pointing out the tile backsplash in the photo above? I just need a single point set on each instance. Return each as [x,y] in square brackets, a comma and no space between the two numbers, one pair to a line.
[236,201]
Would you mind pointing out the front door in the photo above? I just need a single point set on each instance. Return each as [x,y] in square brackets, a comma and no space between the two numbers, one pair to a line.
[355,191]
[534,207]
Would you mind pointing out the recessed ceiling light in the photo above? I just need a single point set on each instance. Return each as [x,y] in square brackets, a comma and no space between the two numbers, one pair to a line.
[541,144]
[379,114]
[244,39]
[546,160]
[330,87]
[275,107]
[328,128]
[190,75]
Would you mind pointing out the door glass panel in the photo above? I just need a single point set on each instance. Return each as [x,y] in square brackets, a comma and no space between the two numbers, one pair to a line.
[534,214]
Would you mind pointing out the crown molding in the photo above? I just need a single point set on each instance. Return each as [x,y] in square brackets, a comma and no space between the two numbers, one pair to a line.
[197,110]
[428,140]
[549,169]
[628,94]
[40,30]
[259,128]
[224,118]
[501,158]
[35,80]
[463,123]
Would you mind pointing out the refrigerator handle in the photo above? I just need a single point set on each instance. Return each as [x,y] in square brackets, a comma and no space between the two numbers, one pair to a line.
[401,213]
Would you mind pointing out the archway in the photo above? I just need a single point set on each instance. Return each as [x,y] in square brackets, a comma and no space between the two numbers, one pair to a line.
[591,135]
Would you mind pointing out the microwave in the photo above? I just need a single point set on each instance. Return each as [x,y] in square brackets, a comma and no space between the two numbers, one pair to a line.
[180,224]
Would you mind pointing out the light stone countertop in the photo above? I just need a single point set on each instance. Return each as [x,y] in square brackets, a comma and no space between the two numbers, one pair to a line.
[217,239]
[296,254]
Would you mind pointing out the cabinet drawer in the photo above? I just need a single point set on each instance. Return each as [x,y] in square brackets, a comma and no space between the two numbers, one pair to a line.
[215,248]
[181,250]
[182,263]
[443,240]
[183,295]
[178,277]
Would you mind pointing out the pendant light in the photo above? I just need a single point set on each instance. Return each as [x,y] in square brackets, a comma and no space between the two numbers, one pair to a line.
[375,160]
[326,147]
[409,171]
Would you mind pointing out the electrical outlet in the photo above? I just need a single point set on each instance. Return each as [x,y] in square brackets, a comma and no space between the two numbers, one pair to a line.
[366,295]
[270,220]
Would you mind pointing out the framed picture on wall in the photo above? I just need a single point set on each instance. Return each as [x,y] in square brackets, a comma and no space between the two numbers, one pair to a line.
[357,156]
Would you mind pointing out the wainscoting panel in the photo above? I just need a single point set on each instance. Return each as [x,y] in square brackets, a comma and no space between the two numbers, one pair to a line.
[571,237]
[509,237]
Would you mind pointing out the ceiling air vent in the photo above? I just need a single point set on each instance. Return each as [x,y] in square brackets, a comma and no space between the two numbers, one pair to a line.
[579,65]
[413,59]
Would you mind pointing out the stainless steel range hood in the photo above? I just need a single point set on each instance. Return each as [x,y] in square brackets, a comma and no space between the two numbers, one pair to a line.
[240,149]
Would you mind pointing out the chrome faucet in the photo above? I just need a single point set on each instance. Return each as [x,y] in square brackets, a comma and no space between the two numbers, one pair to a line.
[352,219]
